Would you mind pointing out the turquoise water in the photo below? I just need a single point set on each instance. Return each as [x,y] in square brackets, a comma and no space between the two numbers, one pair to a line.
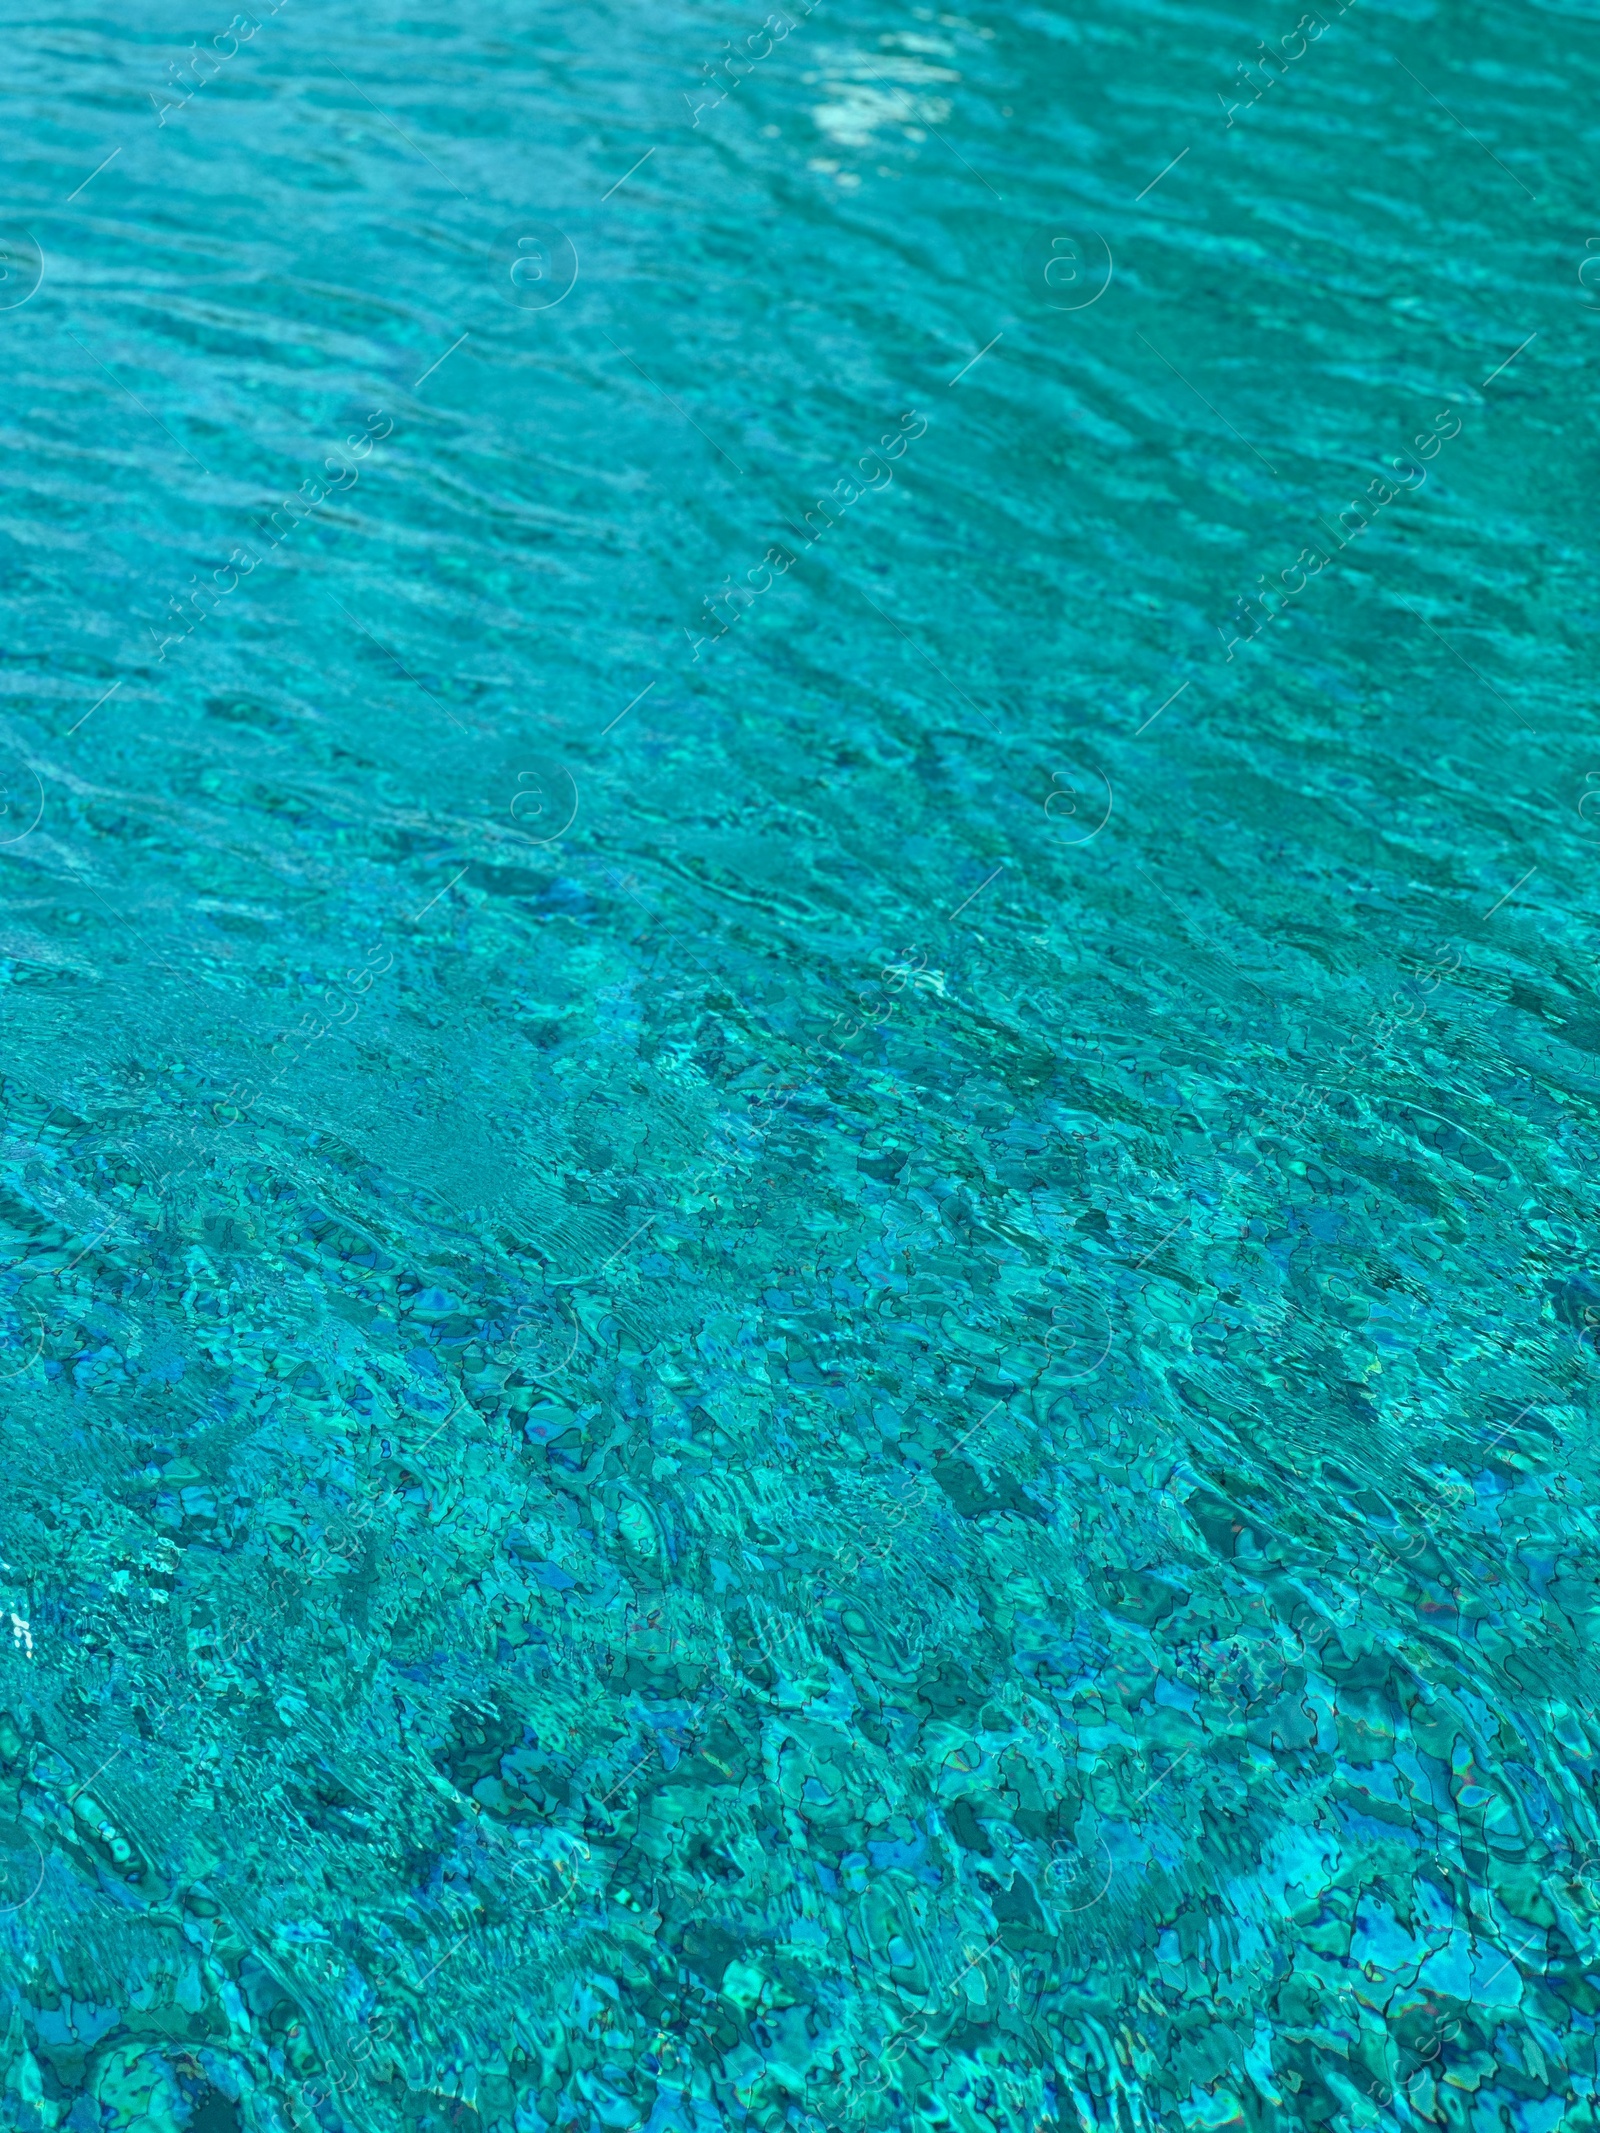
[800,1047]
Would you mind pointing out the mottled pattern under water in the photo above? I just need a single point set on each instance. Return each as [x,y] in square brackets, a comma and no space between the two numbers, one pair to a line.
[799,836]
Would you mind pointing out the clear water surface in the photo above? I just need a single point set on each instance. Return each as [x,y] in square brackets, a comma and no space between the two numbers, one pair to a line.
[800,1056]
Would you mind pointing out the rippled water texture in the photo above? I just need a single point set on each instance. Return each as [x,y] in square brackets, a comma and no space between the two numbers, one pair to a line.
[799,1298]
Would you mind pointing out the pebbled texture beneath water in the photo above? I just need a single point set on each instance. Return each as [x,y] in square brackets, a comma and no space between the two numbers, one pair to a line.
[800,1062]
